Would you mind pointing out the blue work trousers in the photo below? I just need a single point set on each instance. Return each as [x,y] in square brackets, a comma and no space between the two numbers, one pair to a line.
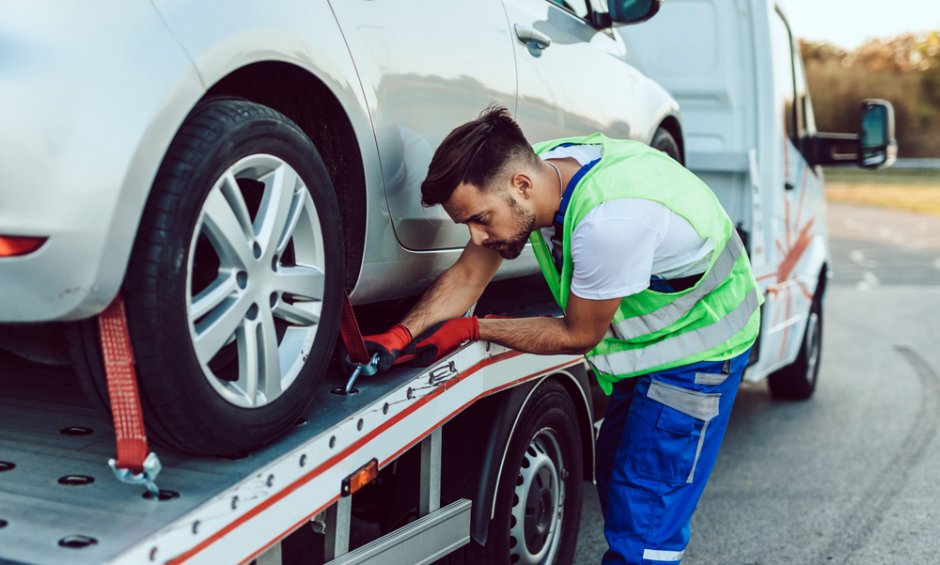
[655,452]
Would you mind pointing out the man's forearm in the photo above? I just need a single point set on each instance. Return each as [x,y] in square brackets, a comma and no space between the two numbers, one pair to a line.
[448,297]
[543,336]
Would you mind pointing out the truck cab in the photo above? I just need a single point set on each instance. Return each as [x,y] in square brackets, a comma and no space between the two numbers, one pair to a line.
[750,134]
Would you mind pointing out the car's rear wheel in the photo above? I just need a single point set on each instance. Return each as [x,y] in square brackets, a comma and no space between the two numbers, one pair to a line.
[665,142]
[234,284]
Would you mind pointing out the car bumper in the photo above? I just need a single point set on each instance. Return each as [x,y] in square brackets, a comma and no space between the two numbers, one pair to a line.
[89,105]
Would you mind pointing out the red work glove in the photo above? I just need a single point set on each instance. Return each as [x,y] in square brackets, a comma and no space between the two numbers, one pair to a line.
[388,345]
[441,339]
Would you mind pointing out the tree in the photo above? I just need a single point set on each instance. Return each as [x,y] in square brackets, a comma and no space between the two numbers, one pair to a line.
[904,70]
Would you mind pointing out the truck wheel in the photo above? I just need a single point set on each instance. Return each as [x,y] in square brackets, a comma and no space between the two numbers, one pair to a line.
[538,498]
[234,285]
[797,381]
[665,142]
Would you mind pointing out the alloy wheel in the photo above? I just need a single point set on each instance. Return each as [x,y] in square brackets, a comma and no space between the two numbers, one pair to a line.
[255,280]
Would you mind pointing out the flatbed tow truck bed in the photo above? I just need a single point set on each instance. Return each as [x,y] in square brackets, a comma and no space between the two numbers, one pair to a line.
[59,502]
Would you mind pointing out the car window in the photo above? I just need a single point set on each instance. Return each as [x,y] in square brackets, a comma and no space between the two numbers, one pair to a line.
[791,90]
[805,119]
[782,53]
[576,7]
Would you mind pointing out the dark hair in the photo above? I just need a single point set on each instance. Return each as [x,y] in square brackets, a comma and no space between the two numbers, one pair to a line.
[474,153]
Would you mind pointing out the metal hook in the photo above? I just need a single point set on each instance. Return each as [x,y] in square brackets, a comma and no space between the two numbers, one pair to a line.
[368,369]
[146,477]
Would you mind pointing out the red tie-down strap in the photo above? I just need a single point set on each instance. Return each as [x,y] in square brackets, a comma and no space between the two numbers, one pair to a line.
[352,337]
[356,350]
[122,388]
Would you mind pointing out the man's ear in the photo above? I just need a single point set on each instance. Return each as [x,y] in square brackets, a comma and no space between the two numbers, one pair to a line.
[521,182]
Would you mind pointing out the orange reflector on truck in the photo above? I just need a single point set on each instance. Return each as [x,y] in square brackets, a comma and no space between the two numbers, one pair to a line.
[365,475]
[15,245]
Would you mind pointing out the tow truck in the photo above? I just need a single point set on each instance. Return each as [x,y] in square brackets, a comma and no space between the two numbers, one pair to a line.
[484,452]
[481,457]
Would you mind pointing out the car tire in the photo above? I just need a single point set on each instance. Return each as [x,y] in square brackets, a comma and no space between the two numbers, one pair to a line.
[665,142]
[797,381]
[541,471]
[234,286]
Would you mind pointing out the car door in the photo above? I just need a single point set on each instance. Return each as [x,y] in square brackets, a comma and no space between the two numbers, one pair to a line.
[573,79]
[798,205]
[426,67]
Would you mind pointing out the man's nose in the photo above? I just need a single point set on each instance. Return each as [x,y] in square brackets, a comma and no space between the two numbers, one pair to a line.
[478,235]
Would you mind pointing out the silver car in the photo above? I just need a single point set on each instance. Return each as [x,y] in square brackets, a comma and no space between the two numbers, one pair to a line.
[229,168]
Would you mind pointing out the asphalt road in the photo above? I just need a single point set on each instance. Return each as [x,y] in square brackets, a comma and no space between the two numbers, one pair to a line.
[851,476]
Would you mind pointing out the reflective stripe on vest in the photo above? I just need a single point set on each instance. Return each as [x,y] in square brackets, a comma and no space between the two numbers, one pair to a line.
[671,313]
[678,347]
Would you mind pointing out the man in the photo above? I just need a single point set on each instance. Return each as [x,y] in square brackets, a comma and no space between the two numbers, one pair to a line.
[656,290]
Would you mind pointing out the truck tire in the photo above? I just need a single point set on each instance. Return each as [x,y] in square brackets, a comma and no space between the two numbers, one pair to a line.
[797,381]
[538,497]
[665,142]
[234,285]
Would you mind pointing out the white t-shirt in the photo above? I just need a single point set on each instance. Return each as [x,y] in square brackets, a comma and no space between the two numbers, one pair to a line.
[621,243]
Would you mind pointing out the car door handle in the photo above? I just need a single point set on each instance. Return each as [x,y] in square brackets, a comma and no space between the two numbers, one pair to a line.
[528,35]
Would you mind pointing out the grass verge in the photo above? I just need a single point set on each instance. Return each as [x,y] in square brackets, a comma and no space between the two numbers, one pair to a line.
[916,191]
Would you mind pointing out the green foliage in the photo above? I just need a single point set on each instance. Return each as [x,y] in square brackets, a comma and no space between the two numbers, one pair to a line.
[904,70]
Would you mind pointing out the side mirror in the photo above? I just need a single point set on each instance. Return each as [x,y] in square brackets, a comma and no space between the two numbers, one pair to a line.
[877,147]
[632,11]
[873,147]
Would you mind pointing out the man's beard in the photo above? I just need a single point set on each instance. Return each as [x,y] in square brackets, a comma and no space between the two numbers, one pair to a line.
[512,247]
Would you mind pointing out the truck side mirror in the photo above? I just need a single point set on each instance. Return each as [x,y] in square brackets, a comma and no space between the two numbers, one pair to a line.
[632,11]
[873,147]
[877,147]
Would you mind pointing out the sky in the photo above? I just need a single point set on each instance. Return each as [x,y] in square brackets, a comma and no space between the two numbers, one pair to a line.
[847,23]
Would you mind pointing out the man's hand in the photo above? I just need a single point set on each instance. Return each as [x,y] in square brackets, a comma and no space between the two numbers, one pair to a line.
[388,345]
[441,339]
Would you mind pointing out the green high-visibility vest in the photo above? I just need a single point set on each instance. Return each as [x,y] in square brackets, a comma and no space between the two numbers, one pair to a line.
[716,319]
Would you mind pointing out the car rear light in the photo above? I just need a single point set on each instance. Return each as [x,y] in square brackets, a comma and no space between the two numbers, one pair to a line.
[16,245]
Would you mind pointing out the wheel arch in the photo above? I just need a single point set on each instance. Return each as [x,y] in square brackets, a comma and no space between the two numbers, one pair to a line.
[671,124]
[480,465]
[815,266]
[309,102]
[823,282]
[303,97]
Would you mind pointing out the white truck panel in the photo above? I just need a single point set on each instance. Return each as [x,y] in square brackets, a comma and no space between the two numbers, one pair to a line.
[729,65]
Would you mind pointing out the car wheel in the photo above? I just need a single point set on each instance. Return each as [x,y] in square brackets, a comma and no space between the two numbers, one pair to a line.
[234,286]
[797,381]
[538,498]
[665,142]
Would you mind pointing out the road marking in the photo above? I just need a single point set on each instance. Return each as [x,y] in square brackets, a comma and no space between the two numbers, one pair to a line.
[858,257]
[852,223]
[868,282]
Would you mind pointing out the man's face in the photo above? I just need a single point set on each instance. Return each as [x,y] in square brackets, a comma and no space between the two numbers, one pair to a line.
[498,219]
